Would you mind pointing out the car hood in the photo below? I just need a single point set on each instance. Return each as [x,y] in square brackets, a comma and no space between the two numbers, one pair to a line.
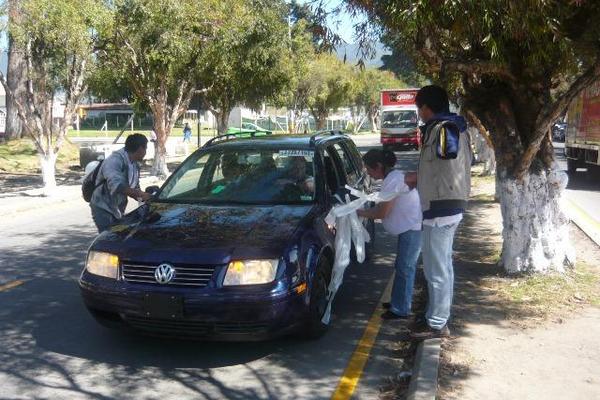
[203,234]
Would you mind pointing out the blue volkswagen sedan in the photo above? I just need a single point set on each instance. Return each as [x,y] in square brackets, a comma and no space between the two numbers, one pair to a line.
[234,245]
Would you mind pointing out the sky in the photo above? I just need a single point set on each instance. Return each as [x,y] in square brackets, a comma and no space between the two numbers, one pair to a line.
[342,24]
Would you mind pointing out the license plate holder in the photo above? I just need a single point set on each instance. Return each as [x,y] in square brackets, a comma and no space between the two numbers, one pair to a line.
[162,306]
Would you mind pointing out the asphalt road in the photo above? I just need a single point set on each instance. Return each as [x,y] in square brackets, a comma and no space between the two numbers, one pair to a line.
[583,188]
[51,348]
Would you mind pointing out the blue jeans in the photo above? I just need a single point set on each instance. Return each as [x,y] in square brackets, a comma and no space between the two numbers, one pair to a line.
[102,218]
[439,272]
[409,247]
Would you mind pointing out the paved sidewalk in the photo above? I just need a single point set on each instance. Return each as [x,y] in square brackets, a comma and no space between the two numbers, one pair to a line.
[500,350]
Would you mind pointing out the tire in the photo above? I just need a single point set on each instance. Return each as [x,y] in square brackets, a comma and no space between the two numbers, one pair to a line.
[314,328]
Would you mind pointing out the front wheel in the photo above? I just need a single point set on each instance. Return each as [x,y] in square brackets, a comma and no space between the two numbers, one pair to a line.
[314,327]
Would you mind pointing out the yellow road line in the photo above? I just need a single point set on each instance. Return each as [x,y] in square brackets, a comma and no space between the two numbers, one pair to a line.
[581,213]
[356,365]
[10,285]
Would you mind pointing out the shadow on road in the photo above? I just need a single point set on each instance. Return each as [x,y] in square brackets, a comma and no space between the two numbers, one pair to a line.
[48,341]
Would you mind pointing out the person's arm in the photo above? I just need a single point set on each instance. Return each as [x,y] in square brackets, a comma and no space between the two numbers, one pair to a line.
[380,211]
[136,194]
[117,183]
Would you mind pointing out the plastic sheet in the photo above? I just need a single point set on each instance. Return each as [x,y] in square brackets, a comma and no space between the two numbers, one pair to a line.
[349,229]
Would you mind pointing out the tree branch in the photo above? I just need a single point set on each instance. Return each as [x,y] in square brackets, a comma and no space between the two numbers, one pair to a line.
[549,114]
[479,125]
[477,67]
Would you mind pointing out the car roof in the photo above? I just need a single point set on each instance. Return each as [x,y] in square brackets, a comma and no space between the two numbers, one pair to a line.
[288,141]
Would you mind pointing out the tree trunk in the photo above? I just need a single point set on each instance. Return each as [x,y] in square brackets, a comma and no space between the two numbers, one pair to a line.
[291,121]
[48,165]
[485,153]
[223,121]
[373,119]
[16,79]
[159,166]
[320,117]
[536,230]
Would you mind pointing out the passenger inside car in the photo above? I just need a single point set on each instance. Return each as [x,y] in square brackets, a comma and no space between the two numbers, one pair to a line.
[296,179]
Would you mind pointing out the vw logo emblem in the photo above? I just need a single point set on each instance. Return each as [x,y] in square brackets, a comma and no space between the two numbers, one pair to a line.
[164,273]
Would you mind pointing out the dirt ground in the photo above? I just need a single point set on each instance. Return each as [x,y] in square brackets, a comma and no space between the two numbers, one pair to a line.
[523,337]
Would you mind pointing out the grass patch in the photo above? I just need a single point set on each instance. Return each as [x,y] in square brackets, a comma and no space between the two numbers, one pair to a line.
[483,198]
[542,295]
[20,156]
[478,180]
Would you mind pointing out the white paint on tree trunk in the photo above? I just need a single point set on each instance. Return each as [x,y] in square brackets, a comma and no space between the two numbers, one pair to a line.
[159,166]
[485,154]
[48,165]
[536,229]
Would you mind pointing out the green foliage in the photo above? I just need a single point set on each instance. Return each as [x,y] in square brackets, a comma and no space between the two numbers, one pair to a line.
[328,85]
[367,86]
[250,63]
[59,34]
[526,58]
[158,45]
[400,63]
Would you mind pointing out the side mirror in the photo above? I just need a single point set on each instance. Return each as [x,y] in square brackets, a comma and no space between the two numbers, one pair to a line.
[153,190]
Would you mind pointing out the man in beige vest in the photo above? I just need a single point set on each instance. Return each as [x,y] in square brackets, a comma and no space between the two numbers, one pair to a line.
[444,183]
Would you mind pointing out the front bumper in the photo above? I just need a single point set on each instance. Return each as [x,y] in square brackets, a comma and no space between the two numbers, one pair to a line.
[400,140]
[208,313]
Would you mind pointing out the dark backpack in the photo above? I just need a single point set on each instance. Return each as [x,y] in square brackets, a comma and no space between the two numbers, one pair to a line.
[89,183]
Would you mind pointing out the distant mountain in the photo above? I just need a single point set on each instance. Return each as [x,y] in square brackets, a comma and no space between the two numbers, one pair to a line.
[352,56]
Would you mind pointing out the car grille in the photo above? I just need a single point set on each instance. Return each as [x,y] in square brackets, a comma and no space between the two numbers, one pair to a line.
[195,328]
[185,275]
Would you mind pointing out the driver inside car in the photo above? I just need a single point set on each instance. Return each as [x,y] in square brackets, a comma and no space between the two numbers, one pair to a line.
[231,170]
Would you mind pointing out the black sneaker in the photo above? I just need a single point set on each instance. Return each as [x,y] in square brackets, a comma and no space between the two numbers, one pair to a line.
[387,305]
[423,331]
[390,315]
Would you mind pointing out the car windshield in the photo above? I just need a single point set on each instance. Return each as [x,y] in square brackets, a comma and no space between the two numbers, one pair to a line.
[399,119]
[243,176]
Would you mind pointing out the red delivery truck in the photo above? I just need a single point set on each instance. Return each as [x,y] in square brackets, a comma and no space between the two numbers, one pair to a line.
[582,143]
[399,119]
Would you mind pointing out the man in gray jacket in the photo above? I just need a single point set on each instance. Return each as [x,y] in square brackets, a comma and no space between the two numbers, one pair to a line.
[444,183]
[118,178]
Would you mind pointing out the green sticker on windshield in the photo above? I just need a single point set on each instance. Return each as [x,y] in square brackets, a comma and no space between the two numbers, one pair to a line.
[218,189]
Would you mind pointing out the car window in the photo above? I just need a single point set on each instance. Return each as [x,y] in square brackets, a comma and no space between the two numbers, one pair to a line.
[350,171]
[244,176]
[333,170]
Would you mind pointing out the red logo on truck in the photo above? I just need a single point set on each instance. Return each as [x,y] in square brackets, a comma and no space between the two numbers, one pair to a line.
[398,97]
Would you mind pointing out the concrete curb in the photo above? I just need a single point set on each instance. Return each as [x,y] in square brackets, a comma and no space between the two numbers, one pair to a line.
[424,381]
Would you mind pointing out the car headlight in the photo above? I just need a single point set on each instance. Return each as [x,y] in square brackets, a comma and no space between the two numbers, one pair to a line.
[250,272]
[103,264]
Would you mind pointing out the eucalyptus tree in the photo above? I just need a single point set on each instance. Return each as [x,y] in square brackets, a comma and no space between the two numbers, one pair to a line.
[328,86]
[365,97]
[58,40]
[252,62]
[515,66]
[162,48]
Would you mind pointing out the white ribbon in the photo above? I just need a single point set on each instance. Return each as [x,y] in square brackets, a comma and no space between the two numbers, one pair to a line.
[349,229]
